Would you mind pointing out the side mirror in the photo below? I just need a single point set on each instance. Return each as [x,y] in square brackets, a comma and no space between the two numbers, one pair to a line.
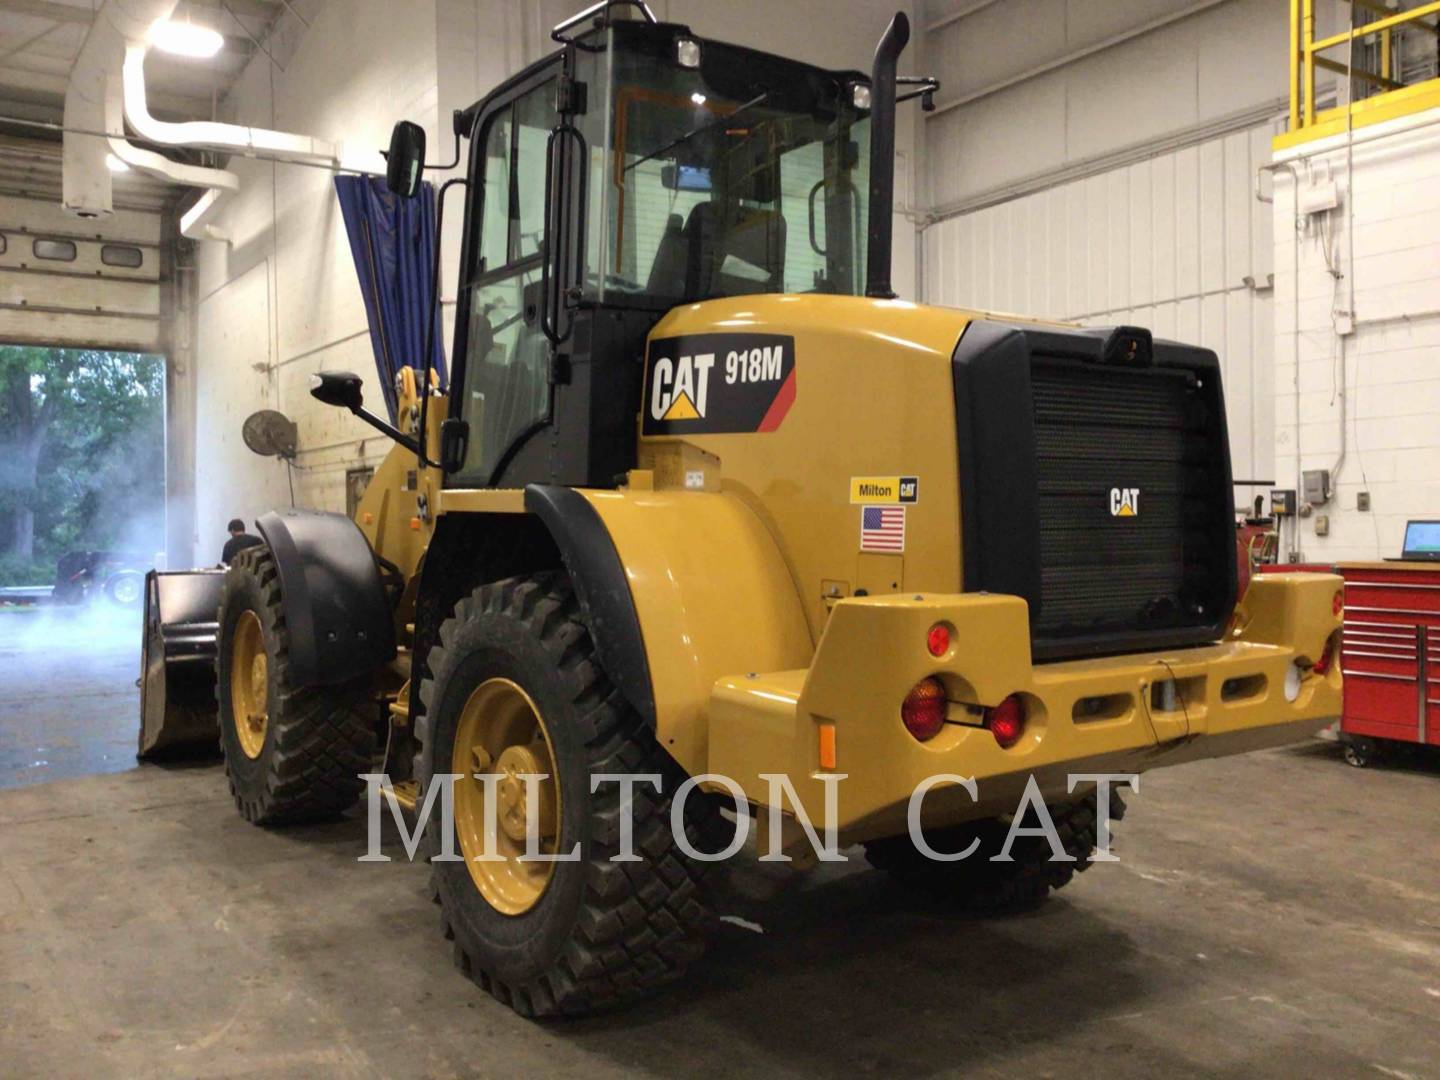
[685,178]
[405,161]
[340,388]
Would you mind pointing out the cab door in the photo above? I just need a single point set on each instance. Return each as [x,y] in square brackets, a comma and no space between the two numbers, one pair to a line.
[504,388]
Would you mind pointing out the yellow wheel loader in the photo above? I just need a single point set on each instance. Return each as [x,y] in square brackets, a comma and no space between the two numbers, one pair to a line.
[704,505]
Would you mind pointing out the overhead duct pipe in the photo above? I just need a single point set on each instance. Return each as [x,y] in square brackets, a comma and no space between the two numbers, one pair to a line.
[86,183]
[93,103]
[210,134]
[194,223]
[107,88]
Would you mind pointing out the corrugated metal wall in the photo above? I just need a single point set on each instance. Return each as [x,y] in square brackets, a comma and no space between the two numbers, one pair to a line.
[1167,243]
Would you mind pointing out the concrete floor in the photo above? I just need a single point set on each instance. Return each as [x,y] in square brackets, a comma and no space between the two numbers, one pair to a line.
[1275,915]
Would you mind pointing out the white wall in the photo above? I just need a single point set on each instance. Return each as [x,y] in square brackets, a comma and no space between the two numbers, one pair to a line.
[1221,61]
[1390,394]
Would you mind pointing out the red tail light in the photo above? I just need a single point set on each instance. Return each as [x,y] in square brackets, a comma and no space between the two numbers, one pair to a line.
[1006,721]
[923,709]
[938,639]
[1338,604]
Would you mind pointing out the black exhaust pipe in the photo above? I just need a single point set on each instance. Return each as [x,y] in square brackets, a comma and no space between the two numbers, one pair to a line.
[882,156]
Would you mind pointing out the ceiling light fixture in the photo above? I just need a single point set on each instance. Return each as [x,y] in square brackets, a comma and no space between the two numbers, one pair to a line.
[185,39]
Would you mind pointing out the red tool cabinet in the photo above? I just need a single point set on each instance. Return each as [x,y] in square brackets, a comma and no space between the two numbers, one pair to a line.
[1391,654]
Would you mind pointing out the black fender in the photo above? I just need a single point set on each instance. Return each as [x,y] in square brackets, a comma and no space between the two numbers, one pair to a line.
[341,625]
[601,587]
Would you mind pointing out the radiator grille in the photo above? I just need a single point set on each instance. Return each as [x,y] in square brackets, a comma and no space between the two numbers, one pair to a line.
[1108,437]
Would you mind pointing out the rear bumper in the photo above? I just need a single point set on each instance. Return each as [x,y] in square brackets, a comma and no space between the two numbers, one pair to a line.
[1082,716]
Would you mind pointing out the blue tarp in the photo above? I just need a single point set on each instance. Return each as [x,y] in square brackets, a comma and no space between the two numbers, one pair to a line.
[393,242]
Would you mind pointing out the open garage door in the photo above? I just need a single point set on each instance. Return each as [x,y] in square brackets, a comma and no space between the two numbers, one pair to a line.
[70,282]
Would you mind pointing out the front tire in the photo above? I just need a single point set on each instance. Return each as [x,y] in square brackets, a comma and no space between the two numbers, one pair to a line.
[292,753]
[514,679]
[976,883]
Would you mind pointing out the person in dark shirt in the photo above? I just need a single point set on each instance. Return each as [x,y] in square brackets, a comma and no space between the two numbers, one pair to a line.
[238,542]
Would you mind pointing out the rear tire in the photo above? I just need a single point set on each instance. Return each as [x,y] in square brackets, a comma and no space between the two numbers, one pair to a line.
[297,753]
[126,588]
[599,933]
[976,883]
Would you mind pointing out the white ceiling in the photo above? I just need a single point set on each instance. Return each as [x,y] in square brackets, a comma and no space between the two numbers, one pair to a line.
[39,41]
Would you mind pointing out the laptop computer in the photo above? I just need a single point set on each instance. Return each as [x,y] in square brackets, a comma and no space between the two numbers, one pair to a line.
[1422,542]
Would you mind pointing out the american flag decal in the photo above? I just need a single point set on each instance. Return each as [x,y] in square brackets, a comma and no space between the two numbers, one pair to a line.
[882,528]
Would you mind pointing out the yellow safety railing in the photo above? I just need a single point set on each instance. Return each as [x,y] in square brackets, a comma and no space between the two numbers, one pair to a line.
[1306,54]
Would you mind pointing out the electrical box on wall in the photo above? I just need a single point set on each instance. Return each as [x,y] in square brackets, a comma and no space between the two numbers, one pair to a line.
[1319,196]
[1316,483]
[1282,502]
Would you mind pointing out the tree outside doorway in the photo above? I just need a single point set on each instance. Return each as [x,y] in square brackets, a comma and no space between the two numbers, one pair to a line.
[82,456]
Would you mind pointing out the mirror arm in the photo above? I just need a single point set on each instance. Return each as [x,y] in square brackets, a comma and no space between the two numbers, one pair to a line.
[386,428]
[457,126]
[927,84]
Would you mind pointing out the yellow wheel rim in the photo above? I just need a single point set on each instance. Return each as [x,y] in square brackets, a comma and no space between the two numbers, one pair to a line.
[249,684]
[501,733]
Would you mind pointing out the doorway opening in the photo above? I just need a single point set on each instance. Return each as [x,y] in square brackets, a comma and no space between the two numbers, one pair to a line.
[82,518]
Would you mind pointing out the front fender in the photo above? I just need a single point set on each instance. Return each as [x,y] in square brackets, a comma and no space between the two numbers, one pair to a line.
[341,626]
[709,594]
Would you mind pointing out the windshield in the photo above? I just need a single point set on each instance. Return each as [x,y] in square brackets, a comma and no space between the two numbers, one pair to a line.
[746,173]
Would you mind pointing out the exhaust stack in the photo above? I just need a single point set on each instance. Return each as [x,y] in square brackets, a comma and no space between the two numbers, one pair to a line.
[882,156]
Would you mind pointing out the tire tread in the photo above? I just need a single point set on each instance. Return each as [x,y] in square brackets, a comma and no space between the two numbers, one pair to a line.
[641,924]
[322,738]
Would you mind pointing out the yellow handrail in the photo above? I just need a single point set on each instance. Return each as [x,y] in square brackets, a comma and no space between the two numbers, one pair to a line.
[1398,19]
[1396,99]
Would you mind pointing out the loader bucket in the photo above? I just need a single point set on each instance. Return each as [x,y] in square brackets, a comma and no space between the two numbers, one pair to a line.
[177,667]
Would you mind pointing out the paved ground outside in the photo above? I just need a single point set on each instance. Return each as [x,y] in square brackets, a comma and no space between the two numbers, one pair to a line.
[69,705]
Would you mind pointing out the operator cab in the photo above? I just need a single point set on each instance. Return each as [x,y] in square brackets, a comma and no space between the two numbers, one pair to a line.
[638,168]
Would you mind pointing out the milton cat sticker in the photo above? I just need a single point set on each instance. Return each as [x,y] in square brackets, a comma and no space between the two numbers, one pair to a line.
[718,383]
